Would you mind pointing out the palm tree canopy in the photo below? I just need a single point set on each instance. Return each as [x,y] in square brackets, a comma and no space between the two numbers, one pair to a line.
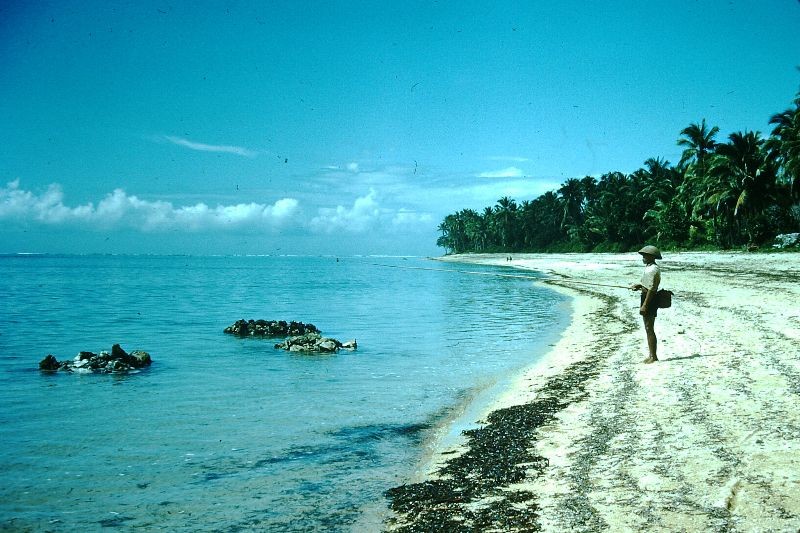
[699,142]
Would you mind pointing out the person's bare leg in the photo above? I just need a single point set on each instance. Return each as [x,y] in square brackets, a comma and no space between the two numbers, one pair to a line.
[652,341]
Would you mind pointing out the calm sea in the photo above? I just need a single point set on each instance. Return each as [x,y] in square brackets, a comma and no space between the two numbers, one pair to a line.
[231,434]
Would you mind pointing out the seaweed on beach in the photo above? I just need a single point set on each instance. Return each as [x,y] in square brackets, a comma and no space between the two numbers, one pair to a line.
[473,492]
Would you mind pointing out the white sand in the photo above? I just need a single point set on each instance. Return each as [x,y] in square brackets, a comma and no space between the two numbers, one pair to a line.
[706,439]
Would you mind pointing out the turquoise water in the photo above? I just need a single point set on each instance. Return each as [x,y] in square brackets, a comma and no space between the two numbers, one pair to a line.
[231,434]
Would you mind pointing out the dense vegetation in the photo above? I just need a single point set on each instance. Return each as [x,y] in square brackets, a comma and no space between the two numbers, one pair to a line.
[730,194]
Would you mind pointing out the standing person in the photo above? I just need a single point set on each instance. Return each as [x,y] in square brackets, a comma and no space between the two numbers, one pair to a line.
[651,279]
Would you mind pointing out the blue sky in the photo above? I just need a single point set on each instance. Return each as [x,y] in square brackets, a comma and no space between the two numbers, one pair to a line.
[351,127]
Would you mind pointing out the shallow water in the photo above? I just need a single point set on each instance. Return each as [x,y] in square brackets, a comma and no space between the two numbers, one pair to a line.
[224,433]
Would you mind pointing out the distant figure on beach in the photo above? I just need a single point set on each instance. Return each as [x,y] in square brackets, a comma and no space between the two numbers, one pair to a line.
[651,279]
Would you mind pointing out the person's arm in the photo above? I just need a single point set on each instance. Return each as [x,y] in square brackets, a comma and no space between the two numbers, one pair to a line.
[651,295]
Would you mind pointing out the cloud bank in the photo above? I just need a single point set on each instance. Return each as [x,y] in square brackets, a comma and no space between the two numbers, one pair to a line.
[366,214]
[121,210]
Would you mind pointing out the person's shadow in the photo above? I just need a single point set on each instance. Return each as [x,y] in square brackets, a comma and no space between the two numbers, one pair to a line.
[686,357]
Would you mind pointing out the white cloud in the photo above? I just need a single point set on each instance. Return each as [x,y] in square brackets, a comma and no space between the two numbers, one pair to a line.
[363,215]
[120,210]
[202,147]
[352,167]
[510,172]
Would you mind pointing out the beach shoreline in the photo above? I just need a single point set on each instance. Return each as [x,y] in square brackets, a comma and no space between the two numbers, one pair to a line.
[588,438]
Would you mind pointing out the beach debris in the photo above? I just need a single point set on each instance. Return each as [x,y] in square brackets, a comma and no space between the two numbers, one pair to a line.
[477,489]
[315,343]
[269,328]
[117,360]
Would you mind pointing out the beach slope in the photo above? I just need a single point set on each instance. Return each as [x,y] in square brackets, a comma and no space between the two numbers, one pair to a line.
[591,439]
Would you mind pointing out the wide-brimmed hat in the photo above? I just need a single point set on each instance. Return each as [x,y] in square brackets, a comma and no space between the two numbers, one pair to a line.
[651,250]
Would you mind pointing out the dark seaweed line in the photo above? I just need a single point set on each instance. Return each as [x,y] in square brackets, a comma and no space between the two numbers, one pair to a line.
[472,494]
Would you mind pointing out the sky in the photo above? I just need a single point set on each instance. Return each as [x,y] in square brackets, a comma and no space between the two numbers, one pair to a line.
[351,127]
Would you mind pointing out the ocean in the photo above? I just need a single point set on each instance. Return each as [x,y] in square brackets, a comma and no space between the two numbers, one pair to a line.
[230,434]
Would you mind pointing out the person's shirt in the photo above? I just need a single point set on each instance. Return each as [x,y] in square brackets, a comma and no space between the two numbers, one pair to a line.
[649,275]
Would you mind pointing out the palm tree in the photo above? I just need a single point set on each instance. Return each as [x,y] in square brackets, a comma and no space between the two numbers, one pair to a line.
[699,142]
[571,193]
[615,218]
[740,182]
[489,225]
[445,240]
[784,146]
[506,214]
[528,227]
[668,211]
[589,189]
[660,179]
[544,216]
[700,145]
[472,229]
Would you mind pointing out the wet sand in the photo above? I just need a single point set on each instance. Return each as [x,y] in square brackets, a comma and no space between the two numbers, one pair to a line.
[591,439]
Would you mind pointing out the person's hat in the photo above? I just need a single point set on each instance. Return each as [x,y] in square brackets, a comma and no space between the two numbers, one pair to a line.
[651,250]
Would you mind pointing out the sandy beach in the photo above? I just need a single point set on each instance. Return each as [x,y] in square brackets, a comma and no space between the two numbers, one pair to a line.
[591,439]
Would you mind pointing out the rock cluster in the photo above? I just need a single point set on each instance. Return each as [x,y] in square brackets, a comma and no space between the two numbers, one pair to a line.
[118,360]
[314,342]
[269,328]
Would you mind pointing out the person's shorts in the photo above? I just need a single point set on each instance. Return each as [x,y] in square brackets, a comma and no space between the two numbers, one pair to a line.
[653,309]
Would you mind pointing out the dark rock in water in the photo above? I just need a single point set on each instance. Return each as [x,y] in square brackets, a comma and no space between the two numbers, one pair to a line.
[48,363]
[350,345]
[300,337]
[269,328]
[141,358]
[310,342]
[117,361]
[118,353]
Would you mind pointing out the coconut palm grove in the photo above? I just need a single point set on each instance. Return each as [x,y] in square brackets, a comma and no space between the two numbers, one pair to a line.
[739,192]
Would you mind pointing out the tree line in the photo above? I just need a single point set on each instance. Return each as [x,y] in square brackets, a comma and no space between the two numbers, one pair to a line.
[740,192]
